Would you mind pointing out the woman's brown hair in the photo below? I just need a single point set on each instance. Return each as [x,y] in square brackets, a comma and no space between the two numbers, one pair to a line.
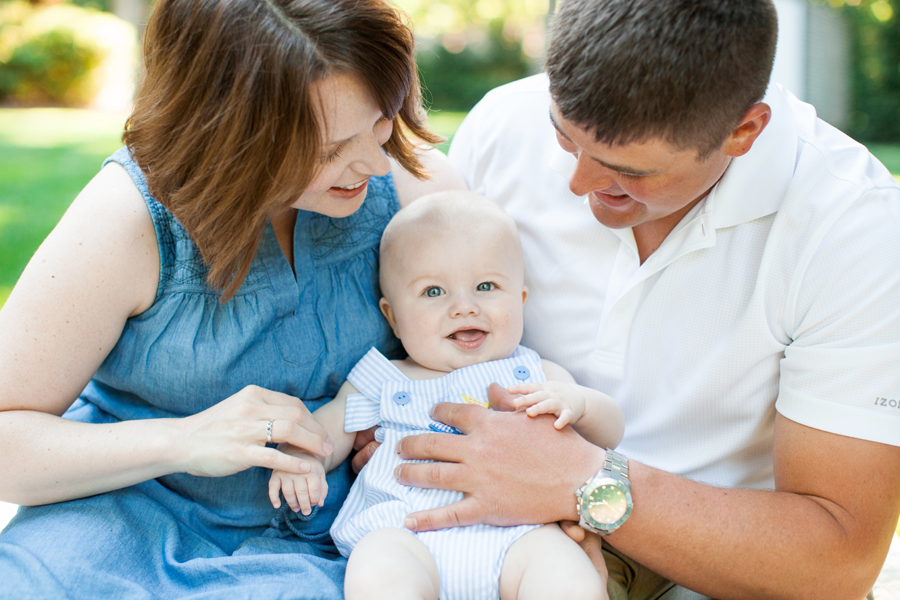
[224,126]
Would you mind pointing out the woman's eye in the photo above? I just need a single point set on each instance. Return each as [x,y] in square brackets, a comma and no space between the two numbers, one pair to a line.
[486,286]
[434,292]
[333,156]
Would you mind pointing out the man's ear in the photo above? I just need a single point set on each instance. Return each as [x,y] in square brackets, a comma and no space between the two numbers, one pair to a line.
[524,293]
[388,313]
[754,121]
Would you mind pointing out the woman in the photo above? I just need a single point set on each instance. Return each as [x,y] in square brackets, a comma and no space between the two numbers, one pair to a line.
[207,290]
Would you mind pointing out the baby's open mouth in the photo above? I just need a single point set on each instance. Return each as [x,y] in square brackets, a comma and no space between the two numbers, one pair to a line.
[468,339]
[466,335]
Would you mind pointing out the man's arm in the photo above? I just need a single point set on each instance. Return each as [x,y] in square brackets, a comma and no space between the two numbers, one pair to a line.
[823,534]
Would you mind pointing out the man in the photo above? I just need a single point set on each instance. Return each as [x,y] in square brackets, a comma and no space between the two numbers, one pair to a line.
[733,282]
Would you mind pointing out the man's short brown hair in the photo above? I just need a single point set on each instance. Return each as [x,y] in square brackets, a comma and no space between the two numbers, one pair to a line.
[682,70]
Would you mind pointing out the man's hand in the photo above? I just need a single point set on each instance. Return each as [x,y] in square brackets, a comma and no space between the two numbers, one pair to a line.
[364,445]
[513,469]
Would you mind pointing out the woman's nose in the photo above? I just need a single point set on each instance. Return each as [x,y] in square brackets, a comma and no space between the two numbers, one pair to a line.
[373,160]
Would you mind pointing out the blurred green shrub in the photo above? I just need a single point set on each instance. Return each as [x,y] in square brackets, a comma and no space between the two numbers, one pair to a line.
[875,26]
[468,47]
[456,81]
[53,54]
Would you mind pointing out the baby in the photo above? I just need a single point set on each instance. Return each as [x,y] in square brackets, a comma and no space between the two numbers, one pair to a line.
[452,275]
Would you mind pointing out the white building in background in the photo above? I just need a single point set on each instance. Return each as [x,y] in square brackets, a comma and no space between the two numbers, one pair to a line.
[813,58]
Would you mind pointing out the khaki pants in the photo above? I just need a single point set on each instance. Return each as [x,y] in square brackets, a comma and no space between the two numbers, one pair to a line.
[630,580]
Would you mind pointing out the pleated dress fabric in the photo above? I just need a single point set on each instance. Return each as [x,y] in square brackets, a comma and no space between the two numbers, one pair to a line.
[296,331]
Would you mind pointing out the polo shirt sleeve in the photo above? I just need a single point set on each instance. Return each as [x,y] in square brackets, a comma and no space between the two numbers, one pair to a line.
[841,371]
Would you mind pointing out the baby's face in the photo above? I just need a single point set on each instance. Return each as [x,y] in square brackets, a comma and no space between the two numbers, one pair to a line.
[455,298]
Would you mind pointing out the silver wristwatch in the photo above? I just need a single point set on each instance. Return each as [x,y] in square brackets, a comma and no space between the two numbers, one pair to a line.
[604,502]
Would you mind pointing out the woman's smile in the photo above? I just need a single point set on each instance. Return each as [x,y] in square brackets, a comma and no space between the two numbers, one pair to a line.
[351,191]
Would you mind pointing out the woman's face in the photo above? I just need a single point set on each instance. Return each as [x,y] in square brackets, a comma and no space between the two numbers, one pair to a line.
[354,131]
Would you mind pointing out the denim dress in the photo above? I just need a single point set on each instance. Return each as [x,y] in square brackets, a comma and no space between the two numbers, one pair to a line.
[297,331]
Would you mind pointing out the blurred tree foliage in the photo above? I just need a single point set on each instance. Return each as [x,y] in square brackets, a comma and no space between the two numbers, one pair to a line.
[875,26]
[50,53]
[456,81]
[468,47]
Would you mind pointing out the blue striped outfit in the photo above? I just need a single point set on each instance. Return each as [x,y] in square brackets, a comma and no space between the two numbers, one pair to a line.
[468,558]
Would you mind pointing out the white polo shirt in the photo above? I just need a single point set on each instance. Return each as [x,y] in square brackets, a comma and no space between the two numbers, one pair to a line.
[781,290]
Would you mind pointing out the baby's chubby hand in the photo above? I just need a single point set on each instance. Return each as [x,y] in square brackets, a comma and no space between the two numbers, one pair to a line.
[565,400]
[301,491]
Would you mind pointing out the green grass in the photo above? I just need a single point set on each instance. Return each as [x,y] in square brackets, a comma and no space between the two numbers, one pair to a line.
[445,124]
[46,157]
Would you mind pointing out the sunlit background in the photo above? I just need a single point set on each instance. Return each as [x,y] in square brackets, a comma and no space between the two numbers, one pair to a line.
[80,57]
[67,73]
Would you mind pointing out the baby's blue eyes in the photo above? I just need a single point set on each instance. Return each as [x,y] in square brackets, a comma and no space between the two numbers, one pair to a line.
[435,291]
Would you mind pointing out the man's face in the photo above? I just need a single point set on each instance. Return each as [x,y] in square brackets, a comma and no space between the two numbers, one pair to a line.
[647,185]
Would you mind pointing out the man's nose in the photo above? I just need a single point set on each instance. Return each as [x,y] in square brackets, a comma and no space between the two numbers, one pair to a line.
[589,176]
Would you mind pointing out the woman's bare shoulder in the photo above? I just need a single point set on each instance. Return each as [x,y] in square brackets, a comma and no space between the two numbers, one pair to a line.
[110,219]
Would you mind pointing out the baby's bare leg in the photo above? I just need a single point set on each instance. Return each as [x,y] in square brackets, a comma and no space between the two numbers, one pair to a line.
[546,564]
[391,563]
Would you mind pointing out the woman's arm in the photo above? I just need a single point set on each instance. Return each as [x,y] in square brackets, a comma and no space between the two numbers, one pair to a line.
[442,175]
[98,267]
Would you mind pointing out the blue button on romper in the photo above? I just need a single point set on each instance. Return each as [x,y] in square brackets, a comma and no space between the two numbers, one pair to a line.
[182,536]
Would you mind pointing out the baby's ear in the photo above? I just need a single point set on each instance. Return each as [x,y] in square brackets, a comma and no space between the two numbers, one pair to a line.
[388,313]
[524,293]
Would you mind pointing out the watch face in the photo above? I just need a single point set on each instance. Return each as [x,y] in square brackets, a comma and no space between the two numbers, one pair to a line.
[606,504]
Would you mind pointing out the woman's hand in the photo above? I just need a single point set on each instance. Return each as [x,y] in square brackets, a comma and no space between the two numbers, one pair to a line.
[232,435]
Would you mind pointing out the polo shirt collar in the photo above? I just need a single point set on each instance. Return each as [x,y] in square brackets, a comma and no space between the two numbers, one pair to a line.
[753,184]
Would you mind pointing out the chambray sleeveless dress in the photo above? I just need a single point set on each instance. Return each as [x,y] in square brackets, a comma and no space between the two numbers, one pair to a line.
[182,536]
[469,559]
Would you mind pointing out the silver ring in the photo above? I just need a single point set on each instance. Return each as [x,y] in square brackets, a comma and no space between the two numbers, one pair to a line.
[269,431]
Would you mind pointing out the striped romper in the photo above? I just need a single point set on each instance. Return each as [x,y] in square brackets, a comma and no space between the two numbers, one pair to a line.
[468,558]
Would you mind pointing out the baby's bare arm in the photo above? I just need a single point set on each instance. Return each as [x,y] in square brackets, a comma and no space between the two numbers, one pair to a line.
[592,413]
[331,417]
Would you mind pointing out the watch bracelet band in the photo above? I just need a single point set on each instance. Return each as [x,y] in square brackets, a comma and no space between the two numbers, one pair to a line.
[614,463]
